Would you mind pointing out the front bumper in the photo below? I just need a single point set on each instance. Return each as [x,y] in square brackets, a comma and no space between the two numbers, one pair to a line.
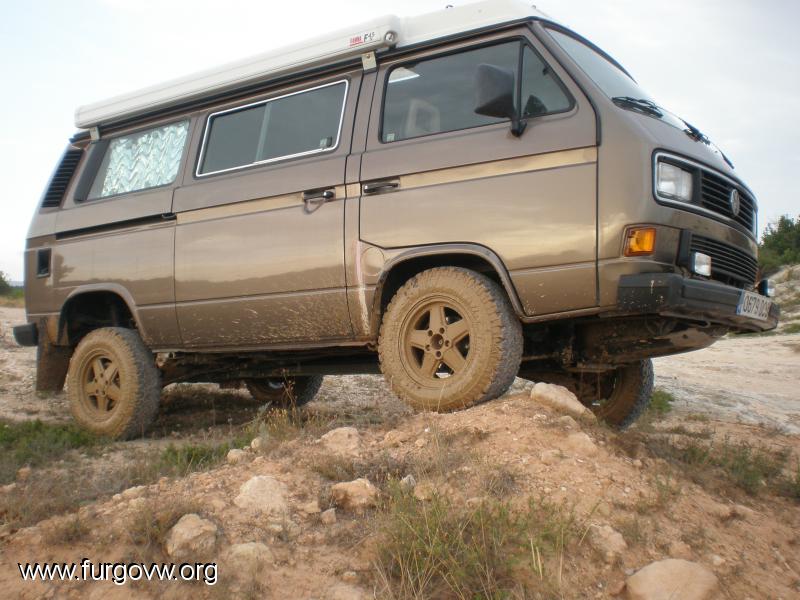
[26,335]
[673,295]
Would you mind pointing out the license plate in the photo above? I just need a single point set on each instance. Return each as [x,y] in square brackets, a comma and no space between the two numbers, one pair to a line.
[754,305]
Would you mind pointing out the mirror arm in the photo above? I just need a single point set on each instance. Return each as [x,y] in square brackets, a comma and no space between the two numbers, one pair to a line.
[518,126]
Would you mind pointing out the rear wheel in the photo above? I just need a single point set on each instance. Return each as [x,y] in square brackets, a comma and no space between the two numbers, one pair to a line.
[285,392]
[449,339]
[618,397]
[113,384]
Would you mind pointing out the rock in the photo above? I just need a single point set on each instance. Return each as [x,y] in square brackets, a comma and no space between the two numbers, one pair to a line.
[328,517]
[561,399]
[421,442]
[408,483]
[264,494]
[23,474]
[355,495]
[243,562]
[608,542]
[581,444]
[717,560]
[192,537]
[670,579]
[344,441]
[236,456]
[743,512]
[257,444]
[8,488]
[310,508]
[134,492]
[250,556]
[567,422]
[679,549]
[551,457]
[395,437]
[350,577]
[424,491]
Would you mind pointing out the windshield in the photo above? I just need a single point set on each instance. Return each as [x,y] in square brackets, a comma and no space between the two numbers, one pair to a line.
[612,79]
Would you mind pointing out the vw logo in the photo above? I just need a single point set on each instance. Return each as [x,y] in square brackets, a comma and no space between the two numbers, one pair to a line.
[735,202]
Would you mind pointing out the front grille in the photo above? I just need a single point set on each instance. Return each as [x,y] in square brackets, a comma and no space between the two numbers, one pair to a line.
[61,178]
[729,264]
[715,193]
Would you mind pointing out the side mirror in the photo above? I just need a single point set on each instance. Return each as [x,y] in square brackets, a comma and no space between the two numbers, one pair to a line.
[495,90]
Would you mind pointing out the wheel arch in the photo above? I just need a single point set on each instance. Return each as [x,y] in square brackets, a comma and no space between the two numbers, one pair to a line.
[92,306]
[409,262]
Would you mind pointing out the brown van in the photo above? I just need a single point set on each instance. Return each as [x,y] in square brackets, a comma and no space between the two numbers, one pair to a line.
[454,200]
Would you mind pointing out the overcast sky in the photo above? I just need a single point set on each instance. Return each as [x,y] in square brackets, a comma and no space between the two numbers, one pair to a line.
[731,67]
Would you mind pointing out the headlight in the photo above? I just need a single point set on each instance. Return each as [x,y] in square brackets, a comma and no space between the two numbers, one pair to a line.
[674,182]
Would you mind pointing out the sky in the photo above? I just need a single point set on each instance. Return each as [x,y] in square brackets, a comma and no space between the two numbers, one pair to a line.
[730,67]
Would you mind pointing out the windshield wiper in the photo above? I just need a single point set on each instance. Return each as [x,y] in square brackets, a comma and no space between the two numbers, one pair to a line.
[642,104]
[694,133]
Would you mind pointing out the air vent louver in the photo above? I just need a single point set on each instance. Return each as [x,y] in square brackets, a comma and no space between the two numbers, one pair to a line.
[61,178]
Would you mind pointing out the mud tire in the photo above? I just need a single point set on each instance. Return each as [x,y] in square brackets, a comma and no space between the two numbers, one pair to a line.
[493,343]
[137,382]
[285,393]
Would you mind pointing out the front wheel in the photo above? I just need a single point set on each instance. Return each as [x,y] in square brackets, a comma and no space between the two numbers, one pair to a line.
[449,339]
[285,392]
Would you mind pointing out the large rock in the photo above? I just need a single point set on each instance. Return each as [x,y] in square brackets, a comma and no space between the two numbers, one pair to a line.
[242,563]
[192,537]
[344,441]
[263,494]
[608,542]
[672,579]
[355,495]
[560,399]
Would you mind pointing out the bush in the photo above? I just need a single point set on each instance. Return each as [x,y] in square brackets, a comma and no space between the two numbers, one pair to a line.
[780,245]
[5,286]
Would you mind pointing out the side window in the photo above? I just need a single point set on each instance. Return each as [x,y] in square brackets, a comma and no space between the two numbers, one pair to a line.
[542,93]
[438,95]
[293,125]
[140,160]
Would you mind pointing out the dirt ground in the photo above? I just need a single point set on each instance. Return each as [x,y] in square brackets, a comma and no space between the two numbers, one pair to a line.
[743,388]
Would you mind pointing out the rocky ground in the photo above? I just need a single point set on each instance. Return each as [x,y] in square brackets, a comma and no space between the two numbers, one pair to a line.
[356,496]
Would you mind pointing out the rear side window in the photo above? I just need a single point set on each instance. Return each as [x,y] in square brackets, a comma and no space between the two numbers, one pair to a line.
[438,95]
[293,125]
[141,160]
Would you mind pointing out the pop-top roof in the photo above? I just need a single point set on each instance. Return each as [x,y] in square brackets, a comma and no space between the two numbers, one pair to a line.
[381,33]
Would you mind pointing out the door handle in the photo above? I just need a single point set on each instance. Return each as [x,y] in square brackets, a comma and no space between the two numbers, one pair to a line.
[380,186]
[317,198]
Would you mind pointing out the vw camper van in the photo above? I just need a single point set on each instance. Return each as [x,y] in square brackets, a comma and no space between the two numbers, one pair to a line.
[453,200]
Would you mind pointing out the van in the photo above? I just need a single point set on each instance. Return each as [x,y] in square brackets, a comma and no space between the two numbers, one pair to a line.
[453,200]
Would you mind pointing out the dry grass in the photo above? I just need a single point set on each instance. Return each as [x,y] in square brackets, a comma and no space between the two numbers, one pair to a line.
[440,549]
[150,524]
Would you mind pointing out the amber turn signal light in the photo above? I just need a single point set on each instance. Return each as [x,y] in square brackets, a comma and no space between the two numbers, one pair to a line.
[639,241]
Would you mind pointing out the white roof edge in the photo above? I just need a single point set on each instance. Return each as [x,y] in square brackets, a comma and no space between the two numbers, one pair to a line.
[379,33]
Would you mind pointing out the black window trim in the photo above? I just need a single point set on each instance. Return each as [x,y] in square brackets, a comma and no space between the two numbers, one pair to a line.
[93,162]
[524,42]
[210,116]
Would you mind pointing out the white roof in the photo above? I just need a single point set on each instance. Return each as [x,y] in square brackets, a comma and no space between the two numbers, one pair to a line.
[383,32]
